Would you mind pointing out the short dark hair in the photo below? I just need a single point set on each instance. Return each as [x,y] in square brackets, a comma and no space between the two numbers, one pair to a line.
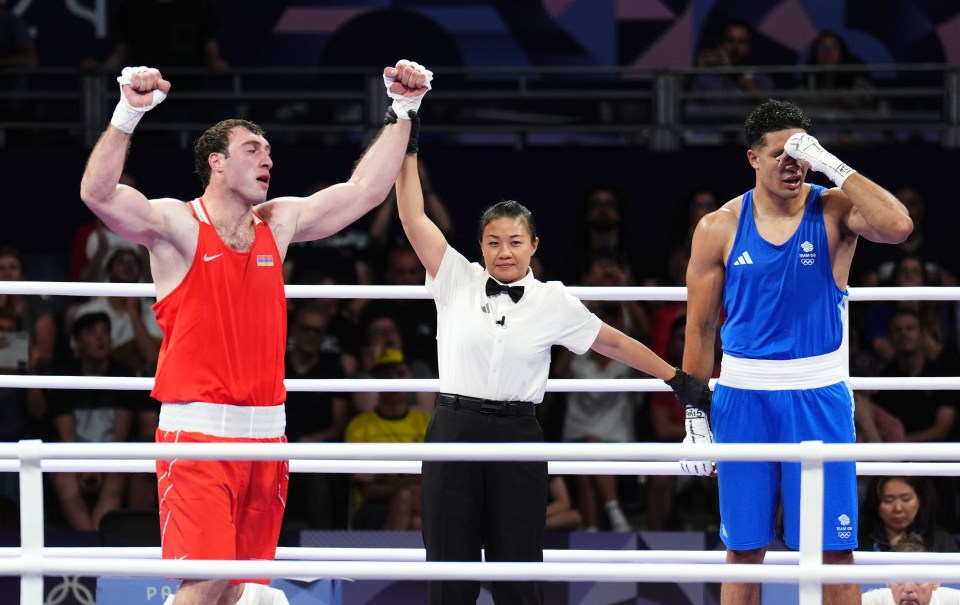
[507,209]
[216,139]
[771,116]
[912,542]
[88,320]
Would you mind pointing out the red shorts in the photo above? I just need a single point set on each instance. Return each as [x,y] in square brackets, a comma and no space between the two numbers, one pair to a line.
[213,509]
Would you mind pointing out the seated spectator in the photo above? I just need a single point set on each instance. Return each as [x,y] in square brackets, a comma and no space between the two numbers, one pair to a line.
[17,49]
[936,318]
[181,33]
[342,258]
[134,331]
[875,264]
[94,243]
[415,318]
[601,225]
[911,593]
[927,415]
[91,415]
[561,516]
[733,50]
[842,89]
[600,417]
[383,333]
[35,315]
[667,423]
[896,506]
[314,500]
[385,231]
[388,501]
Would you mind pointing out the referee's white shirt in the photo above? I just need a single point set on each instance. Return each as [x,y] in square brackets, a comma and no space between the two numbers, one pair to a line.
[883,596]
[510,360]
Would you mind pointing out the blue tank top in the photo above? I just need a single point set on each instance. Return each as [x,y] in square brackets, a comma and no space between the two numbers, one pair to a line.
[782,302]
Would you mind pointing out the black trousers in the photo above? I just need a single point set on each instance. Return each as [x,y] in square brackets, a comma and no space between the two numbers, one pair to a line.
[496,506]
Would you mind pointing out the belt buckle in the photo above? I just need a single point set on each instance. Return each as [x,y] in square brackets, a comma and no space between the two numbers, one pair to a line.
[489,407]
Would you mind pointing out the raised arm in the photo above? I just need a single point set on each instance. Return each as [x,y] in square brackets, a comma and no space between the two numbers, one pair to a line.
[874,212]
[330,210]
[424,235]
[124,209]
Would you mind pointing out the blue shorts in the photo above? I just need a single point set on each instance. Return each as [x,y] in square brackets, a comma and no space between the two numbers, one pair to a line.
[751,491]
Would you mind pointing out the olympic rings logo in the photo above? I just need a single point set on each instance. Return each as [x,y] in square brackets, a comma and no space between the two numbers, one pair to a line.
[70,585]
[806,261]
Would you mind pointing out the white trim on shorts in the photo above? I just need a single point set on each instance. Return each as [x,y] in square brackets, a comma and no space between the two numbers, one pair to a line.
[783,374]
[224,420]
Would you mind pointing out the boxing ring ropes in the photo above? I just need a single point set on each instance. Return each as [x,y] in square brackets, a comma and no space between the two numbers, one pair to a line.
[32,560]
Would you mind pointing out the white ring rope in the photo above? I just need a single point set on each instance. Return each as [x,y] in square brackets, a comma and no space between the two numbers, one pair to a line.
[571,555]
[32,458]
[412,467]
[49,288]
[427,385]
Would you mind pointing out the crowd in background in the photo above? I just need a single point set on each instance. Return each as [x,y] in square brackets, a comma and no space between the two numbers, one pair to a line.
[359,338]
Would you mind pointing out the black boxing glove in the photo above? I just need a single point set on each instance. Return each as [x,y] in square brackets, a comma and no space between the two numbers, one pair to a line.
[691,392]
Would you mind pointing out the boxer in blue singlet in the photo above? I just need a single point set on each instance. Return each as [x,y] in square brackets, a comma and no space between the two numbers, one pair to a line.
[778,258]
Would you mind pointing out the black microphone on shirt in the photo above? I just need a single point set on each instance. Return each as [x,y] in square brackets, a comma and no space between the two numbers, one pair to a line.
[503,321]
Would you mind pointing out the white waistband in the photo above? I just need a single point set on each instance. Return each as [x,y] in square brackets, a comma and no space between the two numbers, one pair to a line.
[224,420]
[783,374]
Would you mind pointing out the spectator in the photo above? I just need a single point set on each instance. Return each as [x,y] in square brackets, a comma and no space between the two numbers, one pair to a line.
[134,330]
[664,313]
[603,235]
[91,415]
[384,234]
[896,506]
[388,501]
[383,333]
[667,423]
[168,33]
[936,320]
[599,417]
[927,415]
[343,257]
[560,515]
[416,318]
[34,312]
[94,243]
[343,334]
[733,50]
[911,593]
[875,263]
[841,89]
[313,499]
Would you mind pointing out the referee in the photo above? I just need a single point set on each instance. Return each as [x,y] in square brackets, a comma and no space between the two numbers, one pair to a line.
[495,327]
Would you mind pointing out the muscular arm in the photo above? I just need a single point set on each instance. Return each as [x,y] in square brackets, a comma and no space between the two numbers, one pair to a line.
[875,214]
[705,276]
[424,235]
[123,209]
[329,210]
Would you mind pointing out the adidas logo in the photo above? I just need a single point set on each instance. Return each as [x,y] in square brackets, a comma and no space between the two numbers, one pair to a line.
[743,259]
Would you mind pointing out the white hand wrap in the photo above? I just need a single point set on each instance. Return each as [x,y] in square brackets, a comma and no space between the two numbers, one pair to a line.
[126,116]
[698,431]
[401,104]
[805,147]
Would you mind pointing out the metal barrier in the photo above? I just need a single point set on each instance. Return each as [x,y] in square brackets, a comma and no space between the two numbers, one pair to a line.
[512,105]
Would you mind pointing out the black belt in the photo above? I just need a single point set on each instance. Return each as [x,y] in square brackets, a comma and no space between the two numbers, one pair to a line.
[487,406]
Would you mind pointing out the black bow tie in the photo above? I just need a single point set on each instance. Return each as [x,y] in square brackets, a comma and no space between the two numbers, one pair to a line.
[494,288]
